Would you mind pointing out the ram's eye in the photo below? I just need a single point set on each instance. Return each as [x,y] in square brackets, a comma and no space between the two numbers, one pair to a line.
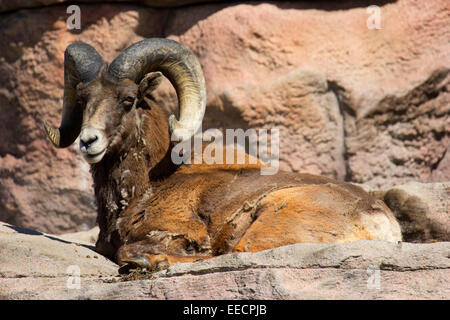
[80,101]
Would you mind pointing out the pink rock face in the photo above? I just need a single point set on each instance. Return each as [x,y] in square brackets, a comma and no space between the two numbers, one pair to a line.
[388,87]
[365,105]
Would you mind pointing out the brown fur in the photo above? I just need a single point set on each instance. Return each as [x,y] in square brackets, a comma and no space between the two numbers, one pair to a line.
[149,207]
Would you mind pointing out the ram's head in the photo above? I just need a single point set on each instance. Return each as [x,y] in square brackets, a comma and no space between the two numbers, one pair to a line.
[99,99]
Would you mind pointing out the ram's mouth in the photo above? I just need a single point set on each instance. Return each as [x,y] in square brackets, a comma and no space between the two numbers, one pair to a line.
[94,157]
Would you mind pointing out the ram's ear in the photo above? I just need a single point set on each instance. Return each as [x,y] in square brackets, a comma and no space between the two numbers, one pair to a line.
[149,83]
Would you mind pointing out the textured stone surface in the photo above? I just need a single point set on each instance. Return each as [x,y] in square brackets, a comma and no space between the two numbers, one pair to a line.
[364,105]
[301,271]
[29,253]
[406,138]
[391,85]
[303,106]
[88,237]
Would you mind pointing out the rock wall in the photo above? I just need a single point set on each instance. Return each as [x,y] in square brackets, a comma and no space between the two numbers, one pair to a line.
[364,105]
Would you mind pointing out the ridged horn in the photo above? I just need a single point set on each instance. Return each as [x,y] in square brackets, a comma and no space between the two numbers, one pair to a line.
[81,64]
[182,69]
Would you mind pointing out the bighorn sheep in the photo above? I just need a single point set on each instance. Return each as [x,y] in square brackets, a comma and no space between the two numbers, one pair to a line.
[152,212]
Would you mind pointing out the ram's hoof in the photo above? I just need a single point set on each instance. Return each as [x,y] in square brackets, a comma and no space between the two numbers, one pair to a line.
[140,263]
[149,263]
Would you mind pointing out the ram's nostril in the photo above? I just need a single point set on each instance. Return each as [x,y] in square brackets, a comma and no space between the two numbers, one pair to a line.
[86,142]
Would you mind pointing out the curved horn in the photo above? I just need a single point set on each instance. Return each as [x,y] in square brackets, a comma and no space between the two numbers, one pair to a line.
[182,69]
[81,64]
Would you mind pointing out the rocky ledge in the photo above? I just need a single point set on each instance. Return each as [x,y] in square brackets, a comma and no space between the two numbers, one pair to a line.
[36,265]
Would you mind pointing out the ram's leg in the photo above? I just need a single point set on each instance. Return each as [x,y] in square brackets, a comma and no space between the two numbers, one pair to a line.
[155,262]
[142,255]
